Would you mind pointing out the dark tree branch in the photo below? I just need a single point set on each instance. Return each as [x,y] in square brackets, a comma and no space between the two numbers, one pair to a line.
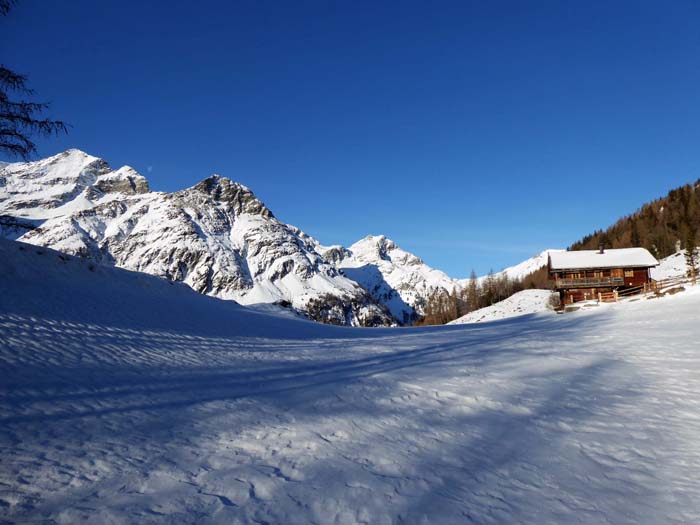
[5,6]
[20,119]
[9,80]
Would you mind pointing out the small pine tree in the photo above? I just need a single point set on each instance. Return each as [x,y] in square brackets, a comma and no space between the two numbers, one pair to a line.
[489,290]
[473,293]
[692,258]
[634,234]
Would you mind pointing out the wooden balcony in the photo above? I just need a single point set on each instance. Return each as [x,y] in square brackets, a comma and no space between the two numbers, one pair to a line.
[590,282]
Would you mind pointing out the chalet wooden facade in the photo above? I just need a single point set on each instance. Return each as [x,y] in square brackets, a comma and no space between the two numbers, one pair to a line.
[595,274]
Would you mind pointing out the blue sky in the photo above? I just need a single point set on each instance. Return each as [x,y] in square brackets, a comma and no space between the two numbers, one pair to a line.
[474,134]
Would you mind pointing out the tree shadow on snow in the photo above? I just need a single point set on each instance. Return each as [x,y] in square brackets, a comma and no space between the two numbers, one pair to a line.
[171,377]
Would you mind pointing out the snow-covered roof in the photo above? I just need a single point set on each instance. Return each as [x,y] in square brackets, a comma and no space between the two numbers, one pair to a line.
[616,258]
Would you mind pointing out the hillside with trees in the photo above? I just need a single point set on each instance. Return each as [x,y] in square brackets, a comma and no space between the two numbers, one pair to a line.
[443,307]
[657,226]
[662,226]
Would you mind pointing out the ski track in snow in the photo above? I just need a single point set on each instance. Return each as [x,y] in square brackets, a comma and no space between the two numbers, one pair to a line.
[110,413]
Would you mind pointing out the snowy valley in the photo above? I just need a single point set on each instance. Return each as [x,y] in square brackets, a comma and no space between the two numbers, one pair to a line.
[349,263]
[150,375]
[131,399]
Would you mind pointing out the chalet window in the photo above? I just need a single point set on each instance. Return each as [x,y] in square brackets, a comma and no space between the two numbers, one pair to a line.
[598,275]
[629,273]
[616,272]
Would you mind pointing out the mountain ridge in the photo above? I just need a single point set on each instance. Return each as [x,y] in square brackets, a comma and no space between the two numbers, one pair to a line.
[662,225]
[217,237]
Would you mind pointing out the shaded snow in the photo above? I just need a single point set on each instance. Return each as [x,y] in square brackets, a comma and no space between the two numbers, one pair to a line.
[127,399]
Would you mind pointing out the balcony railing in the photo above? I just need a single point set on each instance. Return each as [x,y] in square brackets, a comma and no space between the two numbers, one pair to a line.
[590,282]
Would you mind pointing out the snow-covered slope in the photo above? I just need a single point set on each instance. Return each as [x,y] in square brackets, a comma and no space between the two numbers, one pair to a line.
[216,236]
[672,266]
[394,277]
[127,399]
[521,303]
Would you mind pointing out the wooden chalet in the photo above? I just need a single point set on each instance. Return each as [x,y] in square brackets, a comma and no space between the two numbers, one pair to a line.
[600,274]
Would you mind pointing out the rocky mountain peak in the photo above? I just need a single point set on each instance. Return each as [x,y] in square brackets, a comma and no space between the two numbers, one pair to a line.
[66,182]
[124,180]
[379,247]
[239,197]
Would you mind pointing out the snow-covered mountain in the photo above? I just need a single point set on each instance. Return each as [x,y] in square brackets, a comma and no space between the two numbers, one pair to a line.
[394,277]
[216,236]
[70,182]
[520,270]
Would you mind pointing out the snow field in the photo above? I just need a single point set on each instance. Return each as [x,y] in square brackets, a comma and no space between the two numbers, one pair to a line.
[126,399]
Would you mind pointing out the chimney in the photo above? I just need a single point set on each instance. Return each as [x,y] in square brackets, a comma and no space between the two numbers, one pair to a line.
[601,248]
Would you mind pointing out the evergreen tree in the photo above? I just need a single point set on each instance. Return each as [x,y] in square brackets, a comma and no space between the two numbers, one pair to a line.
[473,293]
[692,258]
[452,309]
[489,290]
[634,235]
